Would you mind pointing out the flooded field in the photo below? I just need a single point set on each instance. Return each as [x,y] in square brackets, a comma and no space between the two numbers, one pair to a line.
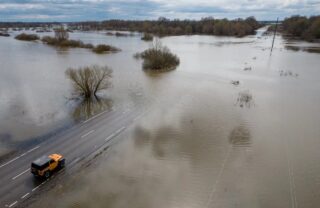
[232,126]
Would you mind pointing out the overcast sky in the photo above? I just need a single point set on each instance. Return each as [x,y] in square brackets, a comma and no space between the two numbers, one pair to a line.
[79,10]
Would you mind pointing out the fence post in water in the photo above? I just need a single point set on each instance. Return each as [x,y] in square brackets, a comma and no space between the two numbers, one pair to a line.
[274,35]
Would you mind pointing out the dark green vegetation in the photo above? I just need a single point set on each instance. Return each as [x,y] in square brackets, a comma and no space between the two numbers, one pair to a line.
[88,81]
[166,27]
[102,48]
[27,37]
[147,37]
[158,58]
[302,27]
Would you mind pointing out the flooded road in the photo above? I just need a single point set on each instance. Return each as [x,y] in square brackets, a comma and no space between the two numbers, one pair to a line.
[206,141]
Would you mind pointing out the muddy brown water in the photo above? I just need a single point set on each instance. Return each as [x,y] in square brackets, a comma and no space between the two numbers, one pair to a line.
[204,143]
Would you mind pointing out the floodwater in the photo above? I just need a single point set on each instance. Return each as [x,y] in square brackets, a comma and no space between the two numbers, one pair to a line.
[206,141]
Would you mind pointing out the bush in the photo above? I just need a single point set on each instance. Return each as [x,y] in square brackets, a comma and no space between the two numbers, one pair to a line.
[49,40]
[158,58]
[27,37]
[147,37]
[102,48]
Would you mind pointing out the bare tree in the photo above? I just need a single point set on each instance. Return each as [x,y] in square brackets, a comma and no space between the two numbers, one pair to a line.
[87,81]
[61,34]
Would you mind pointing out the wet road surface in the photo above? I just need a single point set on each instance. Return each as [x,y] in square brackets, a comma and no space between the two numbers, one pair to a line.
[76,144]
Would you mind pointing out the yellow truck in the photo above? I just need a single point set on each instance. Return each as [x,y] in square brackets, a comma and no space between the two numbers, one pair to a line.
[45,165]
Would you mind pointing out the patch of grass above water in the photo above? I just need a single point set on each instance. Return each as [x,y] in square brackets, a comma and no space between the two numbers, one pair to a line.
[27,37]
[65,43]
[102,48]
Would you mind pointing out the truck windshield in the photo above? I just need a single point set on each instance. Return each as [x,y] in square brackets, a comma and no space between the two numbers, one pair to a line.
[37,166]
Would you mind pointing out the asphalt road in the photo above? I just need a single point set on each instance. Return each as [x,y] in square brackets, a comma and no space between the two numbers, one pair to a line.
[17,184]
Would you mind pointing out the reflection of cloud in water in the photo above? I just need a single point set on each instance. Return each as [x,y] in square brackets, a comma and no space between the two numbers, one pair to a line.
[90,107]
[240,136]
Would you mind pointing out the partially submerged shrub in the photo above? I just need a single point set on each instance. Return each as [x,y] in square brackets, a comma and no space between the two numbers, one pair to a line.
[89,80]
[27,37]
[65,43]
[121,34]
[102,48]
[147,37]
[4,34]
[61,34]
[49,40]
[158,57]
[61,40]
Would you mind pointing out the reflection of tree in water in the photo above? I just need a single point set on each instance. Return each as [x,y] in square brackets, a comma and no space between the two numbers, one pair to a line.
[240,136]
[90,107]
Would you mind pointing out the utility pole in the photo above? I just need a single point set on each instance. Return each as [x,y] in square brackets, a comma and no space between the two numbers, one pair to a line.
[274,35]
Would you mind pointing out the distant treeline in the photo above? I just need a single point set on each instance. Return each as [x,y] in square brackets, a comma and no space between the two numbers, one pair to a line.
[27,24]
[160,27]
[165,27]
[302,27]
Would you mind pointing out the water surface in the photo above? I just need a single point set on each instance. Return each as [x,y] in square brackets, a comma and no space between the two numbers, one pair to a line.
[204,143]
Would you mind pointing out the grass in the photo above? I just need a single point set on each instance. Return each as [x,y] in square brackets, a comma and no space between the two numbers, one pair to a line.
[27,37]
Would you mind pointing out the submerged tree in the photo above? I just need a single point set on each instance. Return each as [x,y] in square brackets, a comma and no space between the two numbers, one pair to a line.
[61,34]
[89,80]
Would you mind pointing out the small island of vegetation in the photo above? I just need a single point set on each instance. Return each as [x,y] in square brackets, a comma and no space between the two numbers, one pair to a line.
[158,58]
[27,37]
[102,48]
[61,39]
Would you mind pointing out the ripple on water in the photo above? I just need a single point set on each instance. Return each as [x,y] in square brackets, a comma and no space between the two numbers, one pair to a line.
[240,137]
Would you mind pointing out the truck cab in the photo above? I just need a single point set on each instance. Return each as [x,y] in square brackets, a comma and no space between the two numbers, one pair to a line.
[45,165]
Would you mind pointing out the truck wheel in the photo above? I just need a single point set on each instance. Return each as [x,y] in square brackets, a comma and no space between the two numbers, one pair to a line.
[47,174]
[62,164]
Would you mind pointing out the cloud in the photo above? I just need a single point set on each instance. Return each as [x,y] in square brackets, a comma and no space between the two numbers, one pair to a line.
[78,10]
